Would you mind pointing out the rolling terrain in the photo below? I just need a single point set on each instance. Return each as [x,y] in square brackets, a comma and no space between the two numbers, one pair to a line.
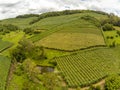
[63,50]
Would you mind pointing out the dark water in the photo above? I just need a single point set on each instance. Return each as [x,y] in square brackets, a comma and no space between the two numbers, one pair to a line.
[45,69]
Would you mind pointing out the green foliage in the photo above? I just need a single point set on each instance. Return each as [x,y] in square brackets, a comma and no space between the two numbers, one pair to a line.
[112,83]
[6,28]
[27,16]
[26,49]
[4,70]
[51,81]
[118,32]
[28,30]
[108,27]
[65,12]
[92,20]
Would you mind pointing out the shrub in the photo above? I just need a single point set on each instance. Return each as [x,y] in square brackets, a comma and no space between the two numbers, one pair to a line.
[108,27]
[112,83]
[28,30]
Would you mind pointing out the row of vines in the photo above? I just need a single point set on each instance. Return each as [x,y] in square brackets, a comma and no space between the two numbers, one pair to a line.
[87,67]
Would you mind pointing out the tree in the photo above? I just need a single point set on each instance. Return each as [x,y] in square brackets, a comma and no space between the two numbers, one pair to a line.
[28,30]
[51,81]
[31,70]
[108,27]
[112,83]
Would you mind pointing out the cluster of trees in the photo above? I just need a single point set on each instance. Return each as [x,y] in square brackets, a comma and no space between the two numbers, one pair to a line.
[108,27]
[27,15]
[34,80]
[6,28]
[26,49]
[31,31]
[28,31]
[112,19]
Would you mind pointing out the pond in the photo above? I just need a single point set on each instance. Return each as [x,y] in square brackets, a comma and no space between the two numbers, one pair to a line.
[45,69]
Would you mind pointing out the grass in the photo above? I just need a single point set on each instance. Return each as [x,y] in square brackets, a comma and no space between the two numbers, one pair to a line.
[4,69]
[87,67]
[71,41]
[13,37]
[16,82]
[112,37]
[71,23]
[20,22]
[4,45]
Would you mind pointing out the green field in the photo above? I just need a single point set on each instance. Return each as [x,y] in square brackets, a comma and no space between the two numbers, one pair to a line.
[70,33]
[14,38]
[69,23]
[111,37]
[20,22]
[71,41]
[4,45]
[88,67]
[4,69]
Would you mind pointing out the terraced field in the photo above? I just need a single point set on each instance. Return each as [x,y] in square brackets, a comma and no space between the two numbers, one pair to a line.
[4,69]
[88,67]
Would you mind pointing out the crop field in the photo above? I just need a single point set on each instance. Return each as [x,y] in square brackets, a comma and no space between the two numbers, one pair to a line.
[71,41]
[88,67]
[4,69]
[4,45]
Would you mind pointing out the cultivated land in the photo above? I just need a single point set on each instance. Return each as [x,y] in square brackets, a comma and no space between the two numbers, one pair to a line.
[71,41]
[4,69]
[60,51]
[88,67]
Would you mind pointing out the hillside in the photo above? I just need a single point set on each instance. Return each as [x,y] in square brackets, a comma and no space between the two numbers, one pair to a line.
[62,50]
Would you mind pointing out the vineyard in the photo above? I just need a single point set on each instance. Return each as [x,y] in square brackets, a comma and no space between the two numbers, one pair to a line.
[4,45]
[4,69]
[88,67]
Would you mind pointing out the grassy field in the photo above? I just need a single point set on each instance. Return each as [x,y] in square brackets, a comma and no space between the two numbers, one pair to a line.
[88,67]
[20,22]
[13,37]
[71,34]
[4,69]
[71,23]
[71,41]
[111,37]
[4,45]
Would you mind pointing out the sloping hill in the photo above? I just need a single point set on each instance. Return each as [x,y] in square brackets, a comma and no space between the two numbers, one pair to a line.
[84,68]
[70,32]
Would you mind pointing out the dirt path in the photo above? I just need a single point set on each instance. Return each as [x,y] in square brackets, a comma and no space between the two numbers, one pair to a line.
[101,83]
[11,70]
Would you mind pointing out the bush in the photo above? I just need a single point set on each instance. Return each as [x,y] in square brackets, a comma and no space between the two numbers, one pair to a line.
[28,30]
[118,32]
[27,16]
[112,83]
[108,27]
